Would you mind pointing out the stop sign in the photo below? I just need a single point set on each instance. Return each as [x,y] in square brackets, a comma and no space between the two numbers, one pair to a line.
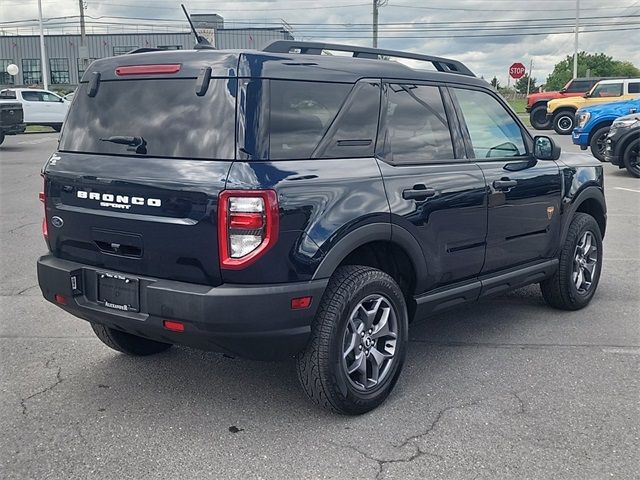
[516,70]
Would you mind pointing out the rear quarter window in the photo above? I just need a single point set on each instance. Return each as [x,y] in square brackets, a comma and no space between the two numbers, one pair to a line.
[166,113]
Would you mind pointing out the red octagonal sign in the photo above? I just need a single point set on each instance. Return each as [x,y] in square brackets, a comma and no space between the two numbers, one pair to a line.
[517,70]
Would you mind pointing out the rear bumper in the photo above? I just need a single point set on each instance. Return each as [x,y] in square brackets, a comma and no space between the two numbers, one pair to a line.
[13,129]
[252,321]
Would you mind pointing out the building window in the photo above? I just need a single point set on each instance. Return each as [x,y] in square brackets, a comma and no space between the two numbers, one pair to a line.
[59,70]
[81,67]
[5,78]
[170,47]
[121,50]
[31,71]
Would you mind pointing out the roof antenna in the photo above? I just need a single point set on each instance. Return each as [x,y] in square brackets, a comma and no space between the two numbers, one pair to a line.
[201,42]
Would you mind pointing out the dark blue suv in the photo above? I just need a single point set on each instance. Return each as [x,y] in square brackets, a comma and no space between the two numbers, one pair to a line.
[284,203]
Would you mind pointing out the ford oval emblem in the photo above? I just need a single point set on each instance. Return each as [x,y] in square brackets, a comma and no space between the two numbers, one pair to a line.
[57,222]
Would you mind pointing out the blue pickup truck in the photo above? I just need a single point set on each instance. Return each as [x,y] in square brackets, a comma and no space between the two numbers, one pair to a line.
[592,124]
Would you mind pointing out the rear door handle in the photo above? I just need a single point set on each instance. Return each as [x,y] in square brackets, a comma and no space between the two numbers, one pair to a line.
[418,192]
[504,184]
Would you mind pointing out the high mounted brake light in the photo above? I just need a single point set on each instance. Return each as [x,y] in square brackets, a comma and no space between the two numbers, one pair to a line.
[248,223]
[147,69]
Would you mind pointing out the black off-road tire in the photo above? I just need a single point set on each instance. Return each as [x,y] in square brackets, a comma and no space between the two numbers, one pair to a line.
[631,158]
[538,118]
[319,366]
[560,290]
[596,144]
[564,121]
[127,343]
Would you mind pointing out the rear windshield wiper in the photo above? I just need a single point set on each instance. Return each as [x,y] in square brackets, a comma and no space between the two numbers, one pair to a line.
[135,144]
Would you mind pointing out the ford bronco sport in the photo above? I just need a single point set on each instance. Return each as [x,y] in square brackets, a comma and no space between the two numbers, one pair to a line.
[284,203]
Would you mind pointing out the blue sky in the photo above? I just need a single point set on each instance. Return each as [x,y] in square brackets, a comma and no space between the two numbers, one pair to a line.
[487,35]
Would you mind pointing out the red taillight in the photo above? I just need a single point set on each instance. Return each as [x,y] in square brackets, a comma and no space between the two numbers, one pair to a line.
[42,197]
[248,222]
[147,69]
[173,326]
[300,303]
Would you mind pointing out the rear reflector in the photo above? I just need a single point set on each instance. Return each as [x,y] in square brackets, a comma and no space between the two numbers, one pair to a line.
[147,69]
[61,299]
[173,326]
[300,303]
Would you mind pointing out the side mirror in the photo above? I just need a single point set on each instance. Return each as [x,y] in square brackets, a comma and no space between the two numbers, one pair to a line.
[544,148]
[563,90]
[586,95]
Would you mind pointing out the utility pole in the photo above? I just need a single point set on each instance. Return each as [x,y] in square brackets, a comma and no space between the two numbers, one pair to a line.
[83,51]
[375,23]
[529,80]
[376,5]
[43,56]
[575,40]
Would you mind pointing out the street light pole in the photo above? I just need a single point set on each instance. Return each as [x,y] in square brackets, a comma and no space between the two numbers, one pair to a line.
[575,40]
[43,56]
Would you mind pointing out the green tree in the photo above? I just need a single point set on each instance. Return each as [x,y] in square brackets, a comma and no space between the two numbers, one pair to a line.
[495,83]
[597,64]
[521,84]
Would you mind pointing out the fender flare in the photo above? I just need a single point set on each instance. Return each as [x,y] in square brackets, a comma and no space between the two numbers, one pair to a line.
[591,192]
[373,232]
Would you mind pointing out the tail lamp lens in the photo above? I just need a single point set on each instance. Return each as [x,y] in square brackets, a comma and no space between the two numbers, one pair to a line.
[43,199]
[247,226]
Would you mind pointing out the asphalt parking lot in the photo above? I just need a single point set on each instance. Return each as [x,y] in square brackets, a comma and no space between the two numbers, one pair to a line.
[507,388]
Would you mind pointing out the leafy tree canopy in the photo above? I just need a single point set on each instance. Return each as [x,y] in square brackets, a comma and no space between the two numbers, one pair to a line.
[521,84]
[598,65]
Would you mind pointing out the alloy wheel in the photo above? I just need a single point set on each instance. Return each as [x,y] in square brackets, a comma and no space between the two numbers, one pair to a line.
[585,262]
[369,342]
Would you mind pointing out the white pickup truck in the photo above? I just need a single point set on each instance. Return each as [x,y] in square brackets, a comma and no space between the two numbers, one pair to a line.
[40,107]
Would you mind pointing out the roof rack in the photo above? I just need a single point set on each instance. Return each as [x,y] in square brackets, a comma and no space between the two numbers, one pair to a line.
[315,48]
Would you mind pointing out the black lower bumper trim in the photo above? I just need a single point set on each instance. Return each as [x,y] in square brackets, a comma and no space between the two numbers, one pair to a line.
[252,321]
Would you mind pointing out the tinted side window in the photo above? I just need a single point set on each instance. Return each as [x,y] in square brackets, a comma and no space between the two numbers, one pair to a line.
[353,132]
[32,96]
[416,125]
[580,86]
[300,114]
[607,90]
[634,87]
[494,133]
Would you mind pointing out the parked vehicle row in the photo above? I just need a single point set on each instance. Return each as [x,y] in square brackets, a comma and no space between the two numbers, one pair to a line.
[537,102]
[561,112]
[40,107]
[592,124]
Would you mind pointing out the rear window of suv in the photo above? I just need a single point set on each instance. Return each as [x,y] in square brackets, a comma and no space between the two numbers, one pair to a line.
[166,113]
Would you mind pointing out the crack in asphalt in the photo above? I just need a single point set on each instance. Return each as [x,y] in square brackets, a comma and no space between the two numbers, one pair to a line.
[59,379]
[23,225]
[417,452]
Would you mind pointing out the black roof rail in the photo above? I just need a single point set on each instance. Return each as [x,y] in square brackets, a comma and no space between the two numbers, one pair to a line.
[144,50]
[315,48]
